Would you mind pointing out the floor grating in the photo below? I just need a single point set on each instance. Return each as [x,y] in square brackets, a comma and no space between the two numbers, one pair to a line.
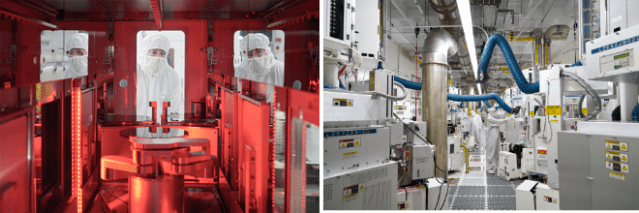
[478,190]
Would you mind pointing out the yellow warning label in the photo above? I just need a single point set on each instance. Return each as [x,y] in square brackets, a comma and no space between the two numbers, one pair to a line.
[356,143]
[608,156]
[532,113]
[525,39]
[339,102]
[349,196]
[624,168]
[612,153]
[553,110]
[612,142]
[584,111]
[361,187]
[623,158]
[504,68]
[617,175]
[343,145]
[349,153]
[421,186]
[623,147]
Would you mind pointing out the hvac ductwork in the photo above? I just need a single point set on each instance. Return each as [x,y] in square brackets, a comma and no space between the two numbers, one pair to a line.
[449,15]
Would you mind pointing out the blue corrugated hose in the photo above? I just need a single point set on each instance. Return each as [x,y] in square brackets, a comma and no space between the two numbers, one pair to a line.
[577,64]
[493,96]
[462,98]
[487,104]
[635,114]
[408,84]
[328,86]
[497,39]
[341,86]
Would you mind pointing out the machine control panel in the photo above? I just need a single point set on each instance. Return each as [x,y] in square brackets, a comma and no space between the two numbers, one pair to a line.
[616,61]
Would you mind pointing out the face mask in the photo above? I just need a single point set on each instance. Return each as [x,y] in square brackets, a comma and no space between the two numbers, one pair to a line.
[153,64]
[79,64]
[261,64]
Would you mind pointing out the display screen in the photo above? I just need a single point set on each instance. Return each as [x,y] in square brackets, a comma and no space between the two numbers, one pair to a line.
[622,56]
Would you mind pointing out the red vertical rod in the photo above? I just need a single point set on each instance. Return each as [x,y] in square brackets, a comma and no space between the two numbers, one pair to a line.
[156,5]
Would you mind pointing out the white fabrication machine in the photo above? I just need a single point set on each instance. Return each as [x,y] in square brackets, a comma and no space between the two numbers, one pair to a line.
[584,138]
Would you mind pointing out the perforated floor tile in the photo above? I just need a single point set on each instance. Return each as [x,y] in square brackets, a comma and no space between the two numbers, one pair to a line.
[501,190]
[497,181]
[501,203]
[474,174]
[471,191]
[473,182]
[469,203]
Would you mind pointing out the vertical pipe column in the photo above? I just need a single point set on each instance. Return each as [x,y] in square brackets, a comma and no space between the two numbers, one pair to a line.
[434,112]
[437,48]
[628,99]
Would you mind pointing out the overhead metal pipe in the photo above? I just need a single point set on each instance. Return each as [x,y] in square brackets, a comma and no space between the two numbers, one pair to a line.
[449,15]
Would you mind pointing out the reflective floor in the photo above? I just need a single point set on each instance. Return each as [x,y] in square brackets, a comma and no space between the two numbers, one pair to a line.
[478,190]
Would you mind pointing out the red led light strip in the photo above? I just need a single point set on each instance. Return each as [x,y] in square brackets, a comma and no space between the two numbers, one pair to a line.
[76,146]
[303,173]
[272,151]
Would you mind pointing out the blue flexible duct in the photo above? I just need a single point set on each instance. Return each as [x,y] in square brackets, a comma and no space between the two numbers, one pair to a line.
[341,86]
[635,114]
[479,104]
[487,104]
[462,98]
[493,96]
[497,39]
[577,64]
[328,86]
[408,84]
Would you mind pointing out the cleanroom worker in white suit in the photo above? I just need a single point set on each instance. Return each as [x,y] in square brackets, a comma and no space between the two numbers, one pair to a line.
[156,80]
[476,125]
[78,48]
[495,119]
[260,64]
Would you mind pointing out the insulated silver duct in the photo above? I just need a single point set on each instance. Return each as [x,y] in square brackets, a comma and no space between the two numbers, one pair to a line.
[449,15]
[437,48]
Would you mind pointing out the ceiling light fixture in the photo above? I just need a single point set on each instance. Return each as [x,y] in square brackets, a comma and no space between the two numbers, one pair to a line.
[467,24]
